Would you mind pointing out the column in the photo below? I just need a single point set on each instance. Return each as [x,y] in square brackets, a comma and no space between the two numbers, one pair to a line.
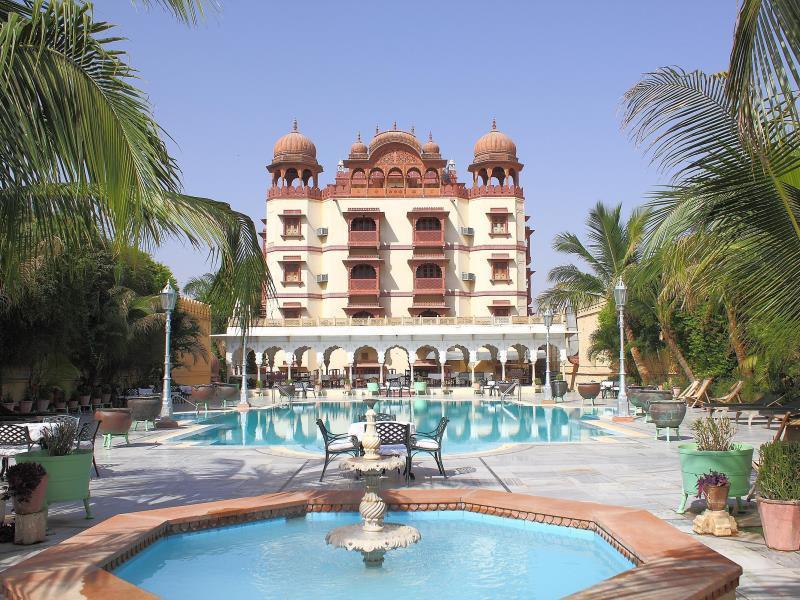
[320,363]
[502,356]
[229,363]
[473,362]
[259,362]
[442,361]
[289,361]
[381,360]
[351,357]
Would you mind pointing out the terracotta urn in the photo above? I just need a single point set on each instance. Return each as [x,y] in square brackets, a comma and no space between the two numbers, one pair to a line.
[589,391]
[717,496]
[116,421]
[781,522]
[36,501]
[202,393]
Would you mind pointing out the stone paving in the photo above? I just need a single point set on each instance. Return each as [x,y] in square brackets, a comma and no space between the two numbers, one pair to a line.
[632,470]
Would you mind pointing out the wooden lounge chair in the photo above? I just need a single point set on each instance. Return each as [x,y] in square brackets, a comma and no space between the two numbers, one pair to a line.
[726,401]
[700,395]
[689,390]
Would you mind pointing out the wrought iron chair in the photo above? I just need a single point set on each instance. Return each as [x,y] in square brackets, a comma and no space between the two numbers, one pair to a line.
[431,442]
[336,444]
[85,439]
[396,439]
[379,417]
[14,439]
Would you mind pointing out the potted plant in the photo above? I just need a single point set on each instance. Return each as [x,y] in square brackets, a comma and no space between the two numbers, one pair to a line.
[558,386]
[105,394]
[43,402]
[778,486]
[8,402]
[27,484]
[72,403]
[714,450]
[715,487]
[68,468]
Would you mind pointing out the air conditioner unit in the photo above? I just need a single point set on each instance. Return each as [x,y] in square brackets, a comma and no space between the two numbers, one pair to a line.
[322,231]
[323,278]
[467,276]
[467,231]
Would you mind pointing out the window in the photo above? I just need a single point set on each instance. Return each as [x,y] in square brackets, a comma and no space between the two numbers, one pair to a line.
[291,272]
[291,226]
[363,315]
[429,271]
[363,272]
[502,311]
[499,225]
[291,313]
[428,224]
[429,313]
[500,270]
[363,224]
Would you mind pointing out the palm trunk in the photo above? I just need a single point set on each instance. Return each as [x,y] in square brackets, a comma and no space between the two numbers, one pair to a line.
[674,349]
[736,340]
[644,373]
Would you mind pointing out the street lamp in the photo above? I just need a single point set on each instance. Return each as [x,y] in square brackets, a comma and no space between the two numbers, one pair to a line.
[548,321]
[168,299]
[620,295]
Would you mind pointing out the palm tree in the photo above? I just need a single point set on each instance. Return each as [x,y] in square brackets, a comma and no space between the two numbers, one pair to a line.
[80,152]
[612,252]
[732,143]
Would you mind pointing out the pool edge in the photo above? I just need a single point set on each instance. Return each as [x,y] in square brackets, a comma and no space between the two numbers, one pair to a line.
[669,562]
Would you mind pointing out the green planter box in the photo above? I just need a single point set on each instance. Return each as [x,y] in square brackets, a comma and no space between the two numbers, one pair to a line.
[736,464]
[67,476]
[373,387]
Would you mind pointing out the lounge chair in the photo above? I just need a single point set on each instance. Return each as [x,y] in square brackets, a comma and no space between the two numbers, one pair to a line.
[336,444]
[431,442]
[689,390]
[506,390]
[726,401]
[700,395]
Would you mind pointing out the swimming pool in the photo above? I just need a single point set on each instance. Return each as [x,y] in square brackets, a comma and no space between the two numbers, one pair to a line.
[474,426]
[461,555]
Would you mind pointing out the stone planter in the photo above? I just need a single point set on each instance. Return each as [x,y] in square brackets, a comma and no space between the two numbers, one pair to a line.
[36,501]
[589,391]
[667,414]
[85,400]
[144,410]
[42,405]
[67,476]
[60,405]
[781,522]
[202,393]
[72,405]
[25,406]
[559,388]
[735,464]
[717,496]
[642,397]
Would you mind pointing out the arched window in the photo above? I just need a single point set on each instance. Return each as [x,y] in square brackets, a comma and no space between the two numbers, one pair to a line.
[291,177]
[395,178]
[429,271]
[362,224]
[358,179]
[363,315]
[431,178]
[413,178]
[429,313]
[499,176]
[363,272]
[429,224]
[376,178]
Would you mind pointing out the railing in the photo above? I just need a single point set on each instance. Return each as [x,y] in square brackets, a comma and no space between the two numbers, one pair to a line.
[364,238]
[294,192]
[434,284]
[496,190]
[429,237]
[397,321]
[364,285]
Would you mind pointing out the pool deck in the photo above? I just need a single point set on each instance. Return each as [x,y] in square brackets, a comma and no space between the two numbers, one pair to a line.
[628,470]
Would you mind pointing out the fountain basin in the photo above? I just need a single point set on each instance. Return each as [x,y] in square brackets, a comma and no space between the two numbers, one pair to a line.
[667,561]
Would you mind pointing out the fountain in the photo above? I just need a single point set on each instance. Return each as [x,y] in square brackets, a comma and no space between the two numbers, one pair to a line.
[372,538]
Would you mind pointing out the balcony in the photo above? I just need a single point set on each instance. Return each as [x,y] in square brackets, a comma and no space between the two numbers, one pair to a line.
[428,238]
[364,287]
[364,239]
[429,285]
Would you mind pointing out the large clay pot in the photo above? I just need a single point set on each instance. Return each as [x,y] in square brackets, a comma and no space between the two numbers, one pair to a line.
[717,496]
[116,421]
[36,501]
[781,522]
[589,391]
[144,409]
[226,390]
[641,397]
[667,413]
[202,393]
[559,388]
[736,464]
[85,400]
[42,405]
[25,406]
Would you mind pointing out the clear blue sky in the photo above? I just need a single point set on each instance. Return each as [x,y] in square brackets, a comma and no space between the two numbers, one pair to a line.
[552,73]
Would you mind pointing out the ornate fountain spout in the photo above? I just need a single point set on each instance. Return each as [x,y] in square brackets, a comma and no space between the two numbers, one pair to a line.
[372,537]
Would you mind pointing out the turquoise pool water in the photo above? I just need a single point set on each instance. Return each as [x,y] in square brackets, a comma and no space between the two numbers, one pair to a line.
[474,425]
[460,556]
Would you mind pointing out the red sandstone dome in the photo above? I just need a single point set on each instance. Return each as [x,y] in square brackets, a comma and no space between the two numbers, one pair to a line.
[430,147]
[495,146]
[358,148]
[294,146]
[394,136]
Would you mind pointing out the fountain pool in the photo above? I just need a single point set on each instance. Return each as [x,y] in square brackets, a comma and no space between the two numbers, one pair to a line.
[462,555]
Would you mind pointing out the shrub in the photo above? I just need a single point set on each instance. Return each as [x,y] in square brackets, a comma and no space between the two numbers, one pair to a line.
[714,434]
[779,474]
[59,439]
[23,479]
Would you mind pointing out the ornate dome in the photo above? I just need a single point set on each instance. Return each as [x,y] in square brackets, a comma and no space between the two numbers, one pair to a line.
[430,147]
[494,146]
[394,135]
[359,148]
[294,147]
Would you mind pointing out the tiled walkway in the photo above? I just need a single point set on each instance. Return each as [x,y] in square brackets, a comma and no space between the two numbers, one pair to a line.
[633,470]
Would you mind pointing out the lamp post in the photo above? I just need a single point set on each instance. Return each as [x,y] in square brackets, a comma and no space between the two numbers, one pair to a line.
[620,296]
[548,321]
[168,299]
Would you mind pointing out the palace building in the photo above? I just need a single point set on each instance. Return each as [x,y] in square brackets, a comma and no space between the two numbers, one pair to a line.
[399,268]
